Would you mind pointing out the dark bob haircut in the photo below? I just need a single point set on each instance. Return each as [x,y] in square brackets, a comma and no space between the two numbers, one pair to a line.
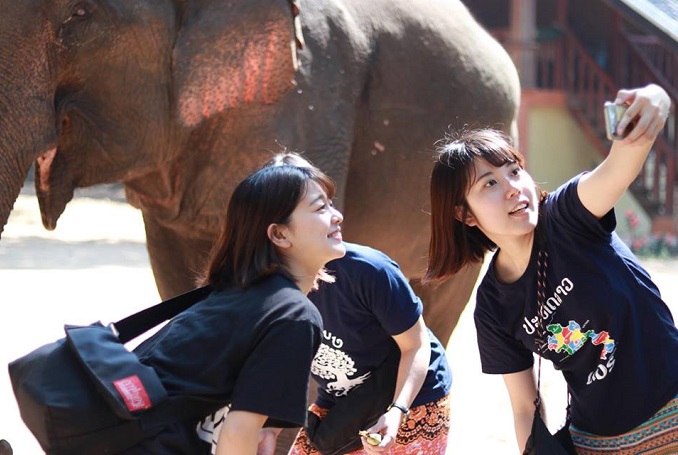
[453,243]
[243,254]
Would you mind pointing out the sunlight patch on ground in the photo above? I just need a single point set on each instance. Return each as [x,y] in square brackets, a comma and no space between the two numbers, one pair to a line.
[115,221]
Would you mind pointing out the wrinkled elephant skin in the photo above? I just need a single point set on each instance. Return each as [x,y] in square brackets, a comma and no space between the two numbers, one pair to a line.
[180,100]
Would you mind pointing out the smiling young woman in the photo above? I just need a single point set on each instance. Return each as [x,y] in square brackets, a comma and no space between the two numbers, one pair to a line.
[250,343]
[601,302]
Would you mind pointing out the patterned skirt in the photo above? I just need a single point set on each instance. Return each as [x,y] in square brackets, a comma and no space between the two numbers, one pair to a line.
[424,431]
[656,436]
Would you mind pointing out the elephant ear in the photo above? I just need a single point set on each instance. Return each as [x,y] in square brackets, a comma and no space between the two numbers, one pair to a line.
[233,53]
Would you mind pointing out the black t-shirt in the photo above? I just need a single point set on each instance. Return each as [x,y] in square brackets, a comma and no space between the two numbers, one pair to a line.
[608,329]
[252,348]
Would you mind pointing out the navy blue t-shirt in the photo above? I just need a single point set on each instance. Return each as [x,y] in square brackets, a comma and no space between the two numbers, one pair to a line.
[370,302]
[609,331]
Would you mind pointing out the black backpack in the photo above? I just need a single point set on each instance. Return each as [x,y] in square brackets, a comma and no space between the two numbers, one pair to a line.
[88,394]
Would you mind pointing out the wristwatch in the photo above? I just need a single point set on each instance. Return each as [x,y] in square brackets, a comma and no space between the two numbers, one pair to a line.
[404,409]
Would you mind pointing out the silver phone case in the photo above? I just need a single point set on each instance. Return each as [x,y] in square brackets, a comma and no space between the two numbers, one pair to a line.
[613,114]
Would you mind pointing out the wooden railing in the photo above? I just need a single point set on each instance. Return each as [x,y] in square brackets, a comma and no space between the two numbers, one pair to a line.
[564,64]
[660,61]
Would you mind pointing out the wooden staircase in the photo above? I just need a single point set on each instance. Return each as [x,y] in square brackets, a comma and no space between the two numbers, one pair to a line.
[633,60]
[563,63]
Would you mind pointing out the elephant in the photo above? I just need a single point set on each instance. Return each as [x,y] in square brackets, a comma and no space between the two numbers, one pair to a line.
[179,100]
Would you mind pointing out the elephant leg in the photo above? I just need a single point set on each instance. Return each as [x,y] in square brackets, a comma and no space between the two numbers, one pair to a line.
[177,261]
[285,440]
[444,303]
[5,448]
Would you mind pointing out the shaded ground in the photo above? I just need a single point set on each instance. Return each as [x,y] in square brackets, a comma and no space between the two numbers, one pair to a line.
[95,267]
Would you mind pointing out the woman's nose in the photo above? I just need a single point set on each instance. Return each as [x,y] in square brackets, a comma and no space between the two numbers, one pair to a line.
[512,189]
[337,216]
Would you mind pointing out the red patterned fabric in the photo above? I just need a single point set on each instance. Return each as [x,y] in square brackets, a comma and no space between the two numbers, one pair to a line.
[425,431]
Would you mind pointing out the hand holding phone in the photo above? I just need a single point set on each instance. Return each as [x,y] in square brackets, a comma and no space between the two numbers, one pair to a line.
[613,114]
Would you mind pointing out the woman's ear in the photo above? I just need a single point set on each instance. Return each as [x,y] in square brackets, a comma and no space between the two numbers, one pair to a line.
[278,236]
[465,216]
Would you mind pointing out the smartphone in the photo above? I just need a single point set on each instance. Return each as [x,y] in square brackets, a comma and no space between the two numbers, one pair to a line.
[613,114]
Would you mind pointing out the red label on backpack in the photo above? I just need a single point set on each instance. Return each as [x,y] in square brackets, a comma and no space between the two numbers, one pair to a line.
[133,393]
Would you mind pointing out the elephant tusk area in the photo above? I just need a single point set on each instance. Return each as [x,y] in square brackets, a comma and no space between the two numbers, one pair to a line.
[44,163]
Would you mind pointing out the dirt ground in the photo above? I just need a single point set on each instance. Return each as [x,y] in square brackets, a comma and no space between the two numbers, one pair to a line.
[94,266]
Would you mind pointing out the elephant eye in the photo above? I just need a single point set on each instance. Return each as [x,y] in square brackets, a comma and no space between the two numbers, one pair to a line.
[73,29]
[79,11]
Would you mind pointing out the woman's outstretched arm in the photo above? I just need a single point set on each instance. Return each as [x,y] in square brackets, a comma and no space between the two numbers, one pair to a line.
[600,189]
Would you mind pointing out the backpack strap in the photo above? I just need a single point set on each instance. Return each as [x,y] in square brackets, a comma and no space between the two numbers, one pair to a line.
[134,325]
[541,338]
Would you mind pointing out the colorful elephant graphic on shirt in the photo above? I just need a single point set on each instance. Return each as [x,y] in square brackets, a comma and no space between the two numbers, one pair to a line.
[571,338]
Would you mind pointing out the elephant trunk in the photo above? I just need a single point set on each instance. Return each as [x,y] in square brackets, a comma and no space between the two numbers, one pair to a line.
[27,119]
[15,162]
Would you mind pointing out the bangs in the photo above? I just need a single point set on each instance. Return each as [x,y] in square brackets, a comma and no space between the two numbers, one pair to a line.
[498,156]
[323,181]
[463,148]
